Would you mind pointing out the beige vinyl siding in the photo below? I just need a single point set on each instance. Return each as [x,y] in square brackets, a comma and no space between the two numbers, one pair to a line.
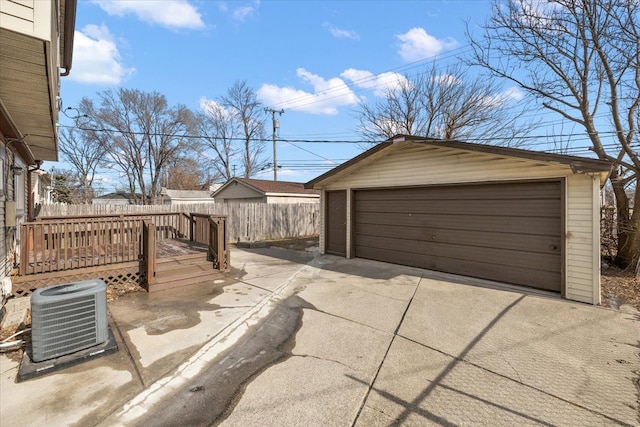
[239,191]
[420,165]
[582,282]
[7,234]
[35,18]
[414,165]
[17,15]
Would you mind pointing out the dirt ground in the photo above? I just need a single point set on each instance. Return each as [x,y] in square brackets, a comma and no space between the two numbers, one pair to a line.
[619,287]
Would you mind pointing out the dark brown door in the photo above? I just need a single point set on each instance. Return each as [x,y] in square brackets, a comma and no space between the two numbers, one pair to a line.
[505,232]
[336,232]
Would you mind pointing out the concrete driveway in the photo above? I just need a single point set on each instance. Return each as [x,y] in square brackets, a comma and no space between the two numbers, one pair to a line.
[385,345]
[292,339]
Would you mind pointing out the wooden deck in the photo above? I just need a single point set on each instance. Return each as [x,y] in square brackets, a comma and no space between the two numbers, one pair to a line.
[123,249]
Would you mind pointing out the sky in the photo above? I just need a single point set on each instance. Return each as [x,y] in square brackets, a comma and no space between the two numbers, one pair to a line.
[316,60]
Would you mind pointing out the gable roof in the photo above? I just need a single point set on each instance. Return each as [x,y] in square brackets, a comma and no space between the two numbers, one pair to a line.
[188,194]
[266,187]
[577,164]
[118,195]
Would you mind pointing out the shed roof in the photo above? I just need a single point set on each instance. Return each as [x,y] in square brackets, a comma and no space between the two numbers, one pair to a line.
[188,194]
[577,164]
[265,187]
[118,195]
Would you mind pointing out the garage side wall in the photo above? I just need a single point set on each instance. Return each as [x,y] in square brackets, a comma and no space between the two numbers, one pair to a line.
[414,165]
[582,239]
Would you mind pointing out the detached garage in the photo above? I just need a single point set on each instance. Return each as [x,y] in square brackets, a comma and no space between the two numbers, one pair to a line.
[509,215]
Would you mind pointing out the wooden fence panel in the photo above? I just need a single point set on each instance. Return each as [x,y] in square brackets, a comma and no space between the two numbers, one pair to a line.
[252,221]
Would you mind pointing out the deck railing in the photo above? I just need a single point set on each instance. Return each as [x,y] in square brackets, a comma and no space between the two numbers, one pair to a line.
[64,243]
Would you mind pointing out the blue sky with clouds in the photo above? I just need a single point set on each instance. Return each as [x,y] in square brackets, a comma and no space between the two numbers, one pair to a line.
[314,59]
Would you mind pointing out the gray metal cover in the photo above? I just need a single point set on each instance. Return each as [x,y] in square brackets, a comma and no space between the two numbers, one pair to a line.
[68,318]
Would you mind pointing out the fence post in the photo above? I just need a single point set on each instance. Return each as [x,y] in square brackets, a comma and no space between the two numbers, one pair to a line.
[149,237]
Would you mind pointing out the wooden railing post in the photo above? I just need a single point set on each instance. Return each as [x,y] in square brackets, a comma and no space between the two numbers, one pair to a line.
[26,237]
[218,248]
[149,236]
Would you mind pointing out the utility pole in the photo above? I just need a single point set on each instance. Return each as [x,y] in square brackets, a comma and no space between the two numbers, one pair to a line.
[276,125]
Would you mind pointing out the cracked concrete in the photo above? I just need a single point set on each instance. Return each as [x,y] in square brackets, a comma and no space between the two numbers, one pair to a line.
[289,339]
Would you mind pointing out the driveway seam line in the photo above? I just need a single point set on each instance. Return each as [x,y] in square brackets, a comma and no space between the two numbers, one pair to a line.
[593,411]
[386,353]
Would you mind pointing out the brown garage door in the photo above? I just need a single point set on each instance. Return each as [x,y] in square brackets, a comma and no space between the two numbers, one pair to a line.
[504,232]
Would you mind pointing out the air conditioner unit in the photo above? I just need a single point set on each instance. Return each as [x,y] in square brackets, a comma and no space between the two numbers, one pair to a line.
[68,318]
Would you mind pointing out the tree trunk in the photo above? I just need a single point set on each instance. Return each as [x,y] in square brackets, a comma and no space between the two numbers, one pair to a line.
[628,226]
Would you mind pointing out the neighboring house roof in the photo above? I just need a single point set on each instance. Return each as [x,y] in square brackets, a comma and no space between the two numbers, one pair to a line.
[118,195]
[187,194]
[577,164]
[267,188]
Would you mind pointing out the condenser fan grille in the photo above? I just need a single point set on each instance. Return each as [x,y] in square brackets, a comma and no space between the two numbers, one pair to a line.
[68,318]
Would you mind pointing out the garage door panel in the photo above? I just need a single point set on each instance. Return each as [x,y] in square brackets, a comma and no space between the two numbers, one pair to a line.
[542,226]
[497,257]
[538,279]
[472,192]
[514,241]
[524,208]
[507,232]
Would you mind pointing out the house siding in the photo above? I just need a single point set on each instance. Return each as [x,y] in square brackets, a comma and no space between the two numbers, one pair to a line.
[18,15]
[30,17]
[8,236]
[412,165]
[583,280]
[240,191]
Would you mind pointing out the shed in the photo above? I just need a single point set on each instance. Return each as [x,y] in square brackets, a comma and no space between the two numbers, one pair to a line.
[117,198]
[181,197]
[504,214]
[264,191]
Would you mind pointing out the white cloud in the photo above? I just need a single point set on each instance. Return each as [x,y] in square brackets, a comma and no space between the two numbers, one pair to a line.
[508,95]
[96,58]
[341,33]
[379,83]
[446,79]
[416,44]
[326,97]
[241,13]
[213,107]
[174,14]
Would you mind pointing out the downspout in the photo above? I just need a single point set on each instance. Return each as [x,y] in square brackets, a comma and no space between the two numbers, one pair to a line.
[69,28]
[30,216]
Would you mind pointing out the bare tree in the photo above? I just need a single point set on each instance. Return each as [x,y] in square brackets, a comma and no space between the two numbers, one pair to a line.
[217,128]
[143,134]
[241,101]
[443,104]
[579,59]
[83,150]
[188,173]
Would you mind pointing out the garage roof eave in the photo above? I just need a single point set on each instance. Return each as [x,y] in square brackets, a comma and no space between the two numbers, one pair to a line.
[314,183]
[577,164]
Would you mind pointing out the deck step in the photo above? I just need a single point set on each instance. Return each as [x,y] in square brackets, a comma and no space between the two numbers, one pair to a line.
[183,272]
[183,263]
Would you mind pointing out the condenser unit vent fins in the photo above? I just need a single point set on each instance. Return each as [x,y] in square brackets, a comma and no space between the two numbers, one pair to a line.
[68,318]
